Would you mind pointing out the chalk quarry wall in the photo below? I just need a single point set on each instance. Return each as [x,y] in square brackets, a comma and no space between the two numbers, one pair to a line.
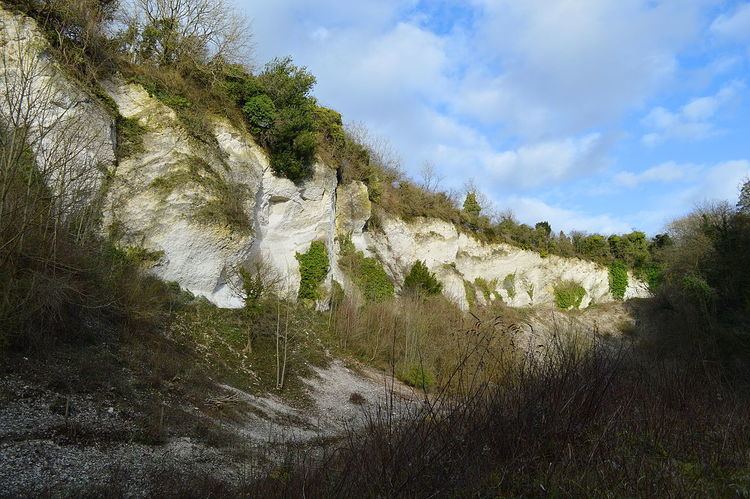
[148,207]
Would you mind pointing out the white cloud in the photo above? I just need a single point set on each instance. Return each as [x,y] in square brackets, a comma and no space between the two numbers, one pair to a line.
[719,182]
[693,121]
[566,66]
[734,26]
[546,163]
[531,210]
[521,94]
[716,182]
[664,173]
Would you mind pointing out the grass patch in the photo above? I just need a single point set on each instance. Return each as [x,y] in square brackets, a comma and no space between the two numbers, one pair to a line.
[509,284]
[193,106]
[488,288]
[129,137]
[224,200]
[471,293]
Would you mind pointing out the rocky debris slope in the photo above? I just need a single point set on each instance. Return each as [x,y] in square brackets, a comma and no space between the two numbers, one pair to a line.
[69,444]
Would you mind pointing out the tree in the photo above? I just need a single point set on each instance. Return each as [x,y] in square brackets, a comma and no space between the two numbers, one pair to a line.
[743,204]
[594,246]
[543,228]
[430,178]
[471,205]
[292,138]
[196,31]
[421,280]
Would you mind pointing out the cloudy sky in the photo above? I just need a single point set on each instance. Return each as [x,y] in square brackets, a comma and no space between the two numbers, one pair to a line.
[600,115]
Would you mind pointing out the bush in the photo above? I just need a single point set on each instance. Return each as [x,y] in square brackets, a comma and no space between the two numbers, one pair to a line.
[129,137]
[569,294]
[260,113]
[654,275]
[421,280]
[367,273]
[418,377]
[313,269]
[509,284]
[281,113]
[618,279]
[487,287]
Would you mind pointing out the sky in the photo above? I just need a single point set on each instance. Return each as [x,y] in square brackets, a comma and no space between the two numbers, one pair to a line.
[596,115]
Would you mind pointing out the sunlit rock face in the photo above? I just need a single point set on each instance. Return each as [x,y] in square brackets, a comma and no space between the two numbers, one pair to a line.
[493,271]
[202,208]
[151,207]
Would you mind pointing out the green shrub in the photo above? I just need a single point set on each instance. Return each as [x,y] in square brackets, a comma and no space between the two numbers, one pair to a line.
[471,206]
[417,376]
[129,137]
[313,269]
[260,113]
[653,273]
[366,272]
[282,114]
[421,280]
[509,284]
[618,279]
[374,281]
[486,287]
[330,127]
[698,289]
[138,256]
[569,294]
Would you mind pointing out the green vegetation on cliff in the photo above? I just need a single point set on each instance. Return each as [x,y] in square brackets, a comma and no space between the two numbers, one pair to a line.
[313,269]
[569,295]
[366,272]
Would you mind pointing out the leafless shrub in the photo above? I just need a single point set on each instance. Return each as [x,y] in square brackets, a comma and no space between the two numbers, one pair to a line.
[50,180]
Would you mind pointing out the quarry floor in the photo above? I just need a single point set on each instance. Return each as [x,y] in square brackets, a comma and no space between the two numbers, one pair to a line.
[80,421]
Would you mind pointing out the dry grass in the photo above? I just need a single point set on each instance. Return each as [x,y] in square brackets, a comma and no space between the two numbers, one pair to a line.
[421,338]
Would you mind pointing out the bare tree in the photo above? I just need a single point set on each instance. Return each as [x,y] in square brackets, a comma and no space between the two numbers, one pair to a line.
[254,282]
[50,168]
[49,142]
[198,31]
[381,151]
[430,179]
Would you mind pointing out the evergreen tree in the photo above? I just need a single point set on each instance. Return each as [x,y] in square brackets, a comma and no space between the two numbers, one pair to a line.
[421,280]
[471,205]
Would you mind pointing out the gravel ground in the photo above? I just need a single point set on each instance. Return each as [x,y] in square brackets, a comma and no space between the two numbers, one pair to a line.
[70,445]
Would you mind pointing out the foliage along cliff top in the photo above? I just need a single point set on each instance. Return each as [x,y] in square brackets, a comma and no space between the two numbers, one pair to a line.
[199,75]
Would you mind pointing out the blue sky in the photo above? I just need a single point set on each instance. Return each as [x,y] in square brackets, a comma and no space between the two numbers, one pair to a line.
[596,115]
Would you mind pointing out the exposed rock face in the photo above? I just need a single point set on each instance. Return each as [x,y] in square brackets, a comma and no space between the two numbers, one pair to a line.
[204,210]
[491,271]
[70,134]
[157,203]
